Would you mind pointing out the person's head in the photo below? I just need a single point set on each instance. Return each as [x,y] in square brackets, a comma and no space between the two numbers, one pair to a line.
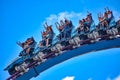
[26,42]
[50,28]
[61,22]
[23,44]
[109,12]
[66,22]
[83,20]
[119,22]
[105,15]
[88,16]
[80,22]
[32,39]
[99,18]
[40,44]
[43,33]
[86,19]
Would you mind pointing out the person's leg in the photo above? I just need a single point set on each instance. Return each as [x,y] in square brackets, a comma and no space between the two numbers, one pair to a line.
[69,33]
[47,42]
[106,24]
[119,29]
[27,51]
[82,36]
[60,35]
[64,34]
[50,42]
[44,42]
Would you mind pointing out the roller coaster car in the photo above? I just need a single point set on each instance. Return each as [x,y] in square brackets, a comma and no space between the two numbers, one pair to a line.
[20,64]
[109,33]
[60,45]
[94,33]
[13,64]
[75,41]
[97,34]
[118,28]
[81,39]
[112,31]
[52,50]
[42,54]
[38,58]
[78,39]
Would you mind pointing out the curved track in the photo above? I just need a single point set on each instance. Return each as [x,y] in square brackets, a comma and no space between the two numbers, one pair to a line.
[101,45]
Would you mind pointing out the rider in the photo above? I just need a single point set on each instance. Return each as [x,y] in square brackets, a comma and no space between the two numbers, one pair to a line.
[103,21]
[110,18]
[90,22]
[80,28]
[106,20]
[31,44]
[67,29]
[86,26]
[118,25]
[60,27]
[50,35]
[43,42]
[28,46]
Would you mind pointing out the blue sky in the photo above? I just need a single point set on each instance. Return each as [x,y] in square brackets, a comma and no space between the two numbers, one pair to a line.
[101,65]
[20,19]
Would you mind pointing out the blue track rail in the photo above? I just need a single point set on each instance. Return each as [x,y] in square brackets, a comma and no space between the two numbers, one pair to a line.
[101,45]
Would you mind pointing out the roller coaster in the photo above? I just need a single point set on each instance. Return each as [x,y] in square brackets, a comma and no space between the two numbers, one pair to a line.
[36,58]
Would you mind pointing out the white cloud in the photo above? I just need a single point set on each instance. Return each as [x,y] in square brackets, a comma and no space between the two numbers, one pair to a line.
[51,19]
[108,78]
[90,79]
[69,15]
[116,14]
[73,16]
[69,78]
[60,16]
[117,78]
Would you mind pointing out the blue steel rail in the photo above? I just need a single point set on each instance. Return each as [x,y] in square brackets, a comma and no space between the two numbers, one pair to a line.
[101,45]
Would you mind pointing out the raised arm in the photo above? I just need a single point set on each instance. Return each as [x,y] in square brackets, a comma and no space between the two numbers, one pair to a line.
[46,24]
[62,23]
[105,9]
[19,43]
[57,24]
